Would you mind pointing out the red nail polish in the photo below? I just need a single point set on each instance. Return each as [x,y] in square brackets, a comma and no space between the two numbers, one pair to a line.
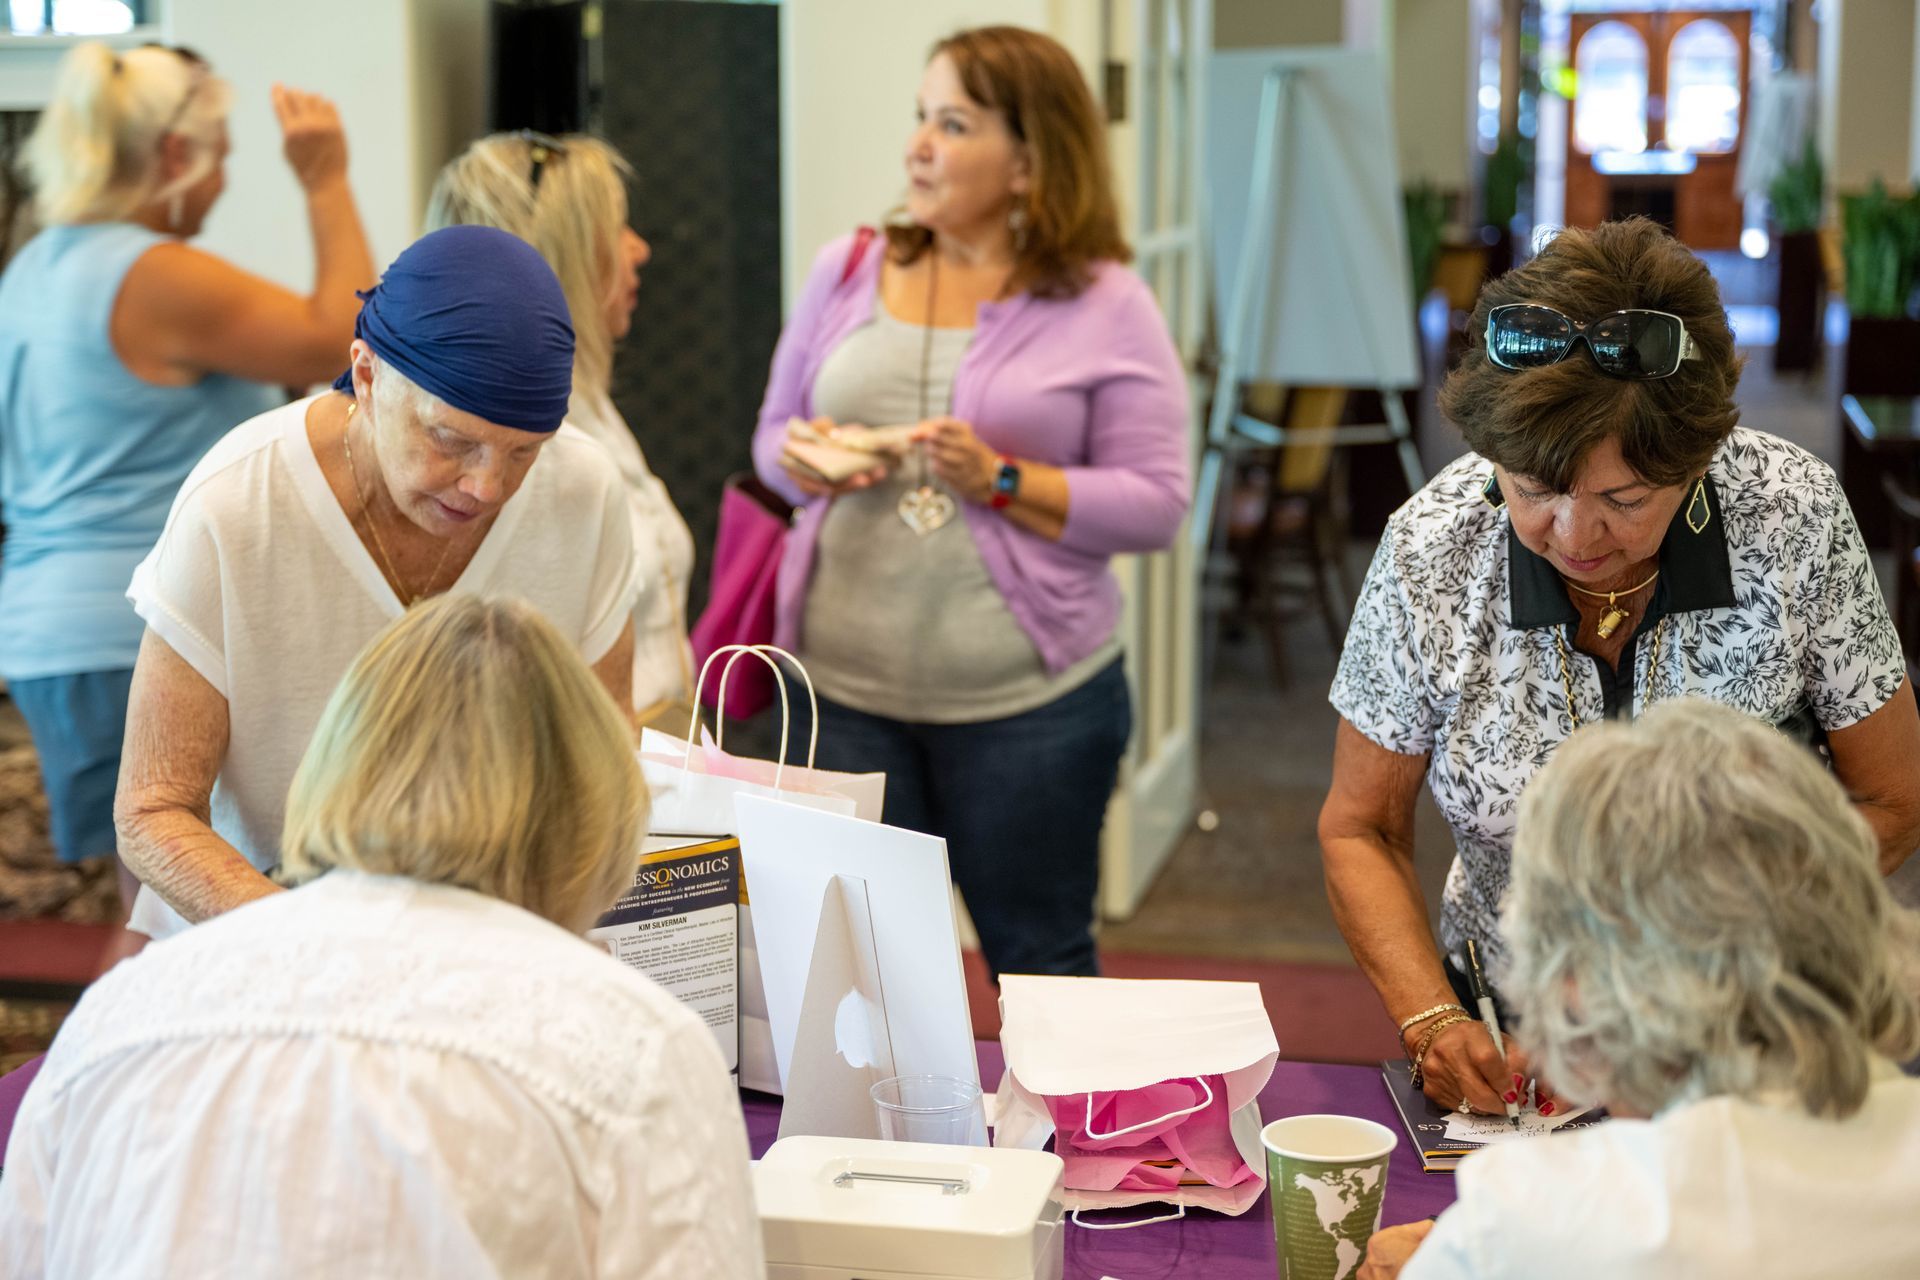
[1512,1096]
[1546,1108]
[1518,1080]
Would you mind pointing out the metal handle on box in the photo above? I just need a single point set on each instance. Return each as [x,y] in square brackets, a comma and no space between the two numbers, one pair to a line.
[948,1186]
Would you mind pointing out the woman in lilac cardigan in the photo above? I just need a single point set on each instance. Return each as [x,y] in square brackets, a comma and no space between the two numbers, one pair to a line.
[956,607]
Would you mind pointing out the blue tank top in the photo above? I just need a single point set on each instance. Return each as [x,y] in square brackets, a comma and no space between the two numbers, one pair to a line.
[90,455]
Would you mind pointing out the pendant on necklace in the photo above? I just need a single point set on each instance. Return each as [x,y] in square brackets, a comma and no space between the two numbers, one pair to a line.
[925,509]
[1610,622]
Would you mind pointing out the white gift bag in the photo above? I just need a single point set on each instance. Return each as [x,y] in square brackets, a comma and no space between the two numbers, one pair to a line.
[1068,1036]
[692,793]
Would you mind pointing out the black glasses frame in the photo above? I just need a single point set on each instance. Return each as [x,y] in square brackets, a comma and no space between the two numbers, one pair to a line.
[541,148]
[1579,334]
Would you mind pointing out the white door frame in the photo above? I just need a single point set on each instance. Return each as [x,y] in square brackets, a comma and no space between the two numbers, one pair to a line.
[1160,149]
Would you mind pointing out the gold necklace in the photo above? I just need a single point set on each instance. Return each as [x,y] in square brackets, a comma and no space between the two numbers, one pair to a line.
[379,544]
[1653,669]
[1610,620]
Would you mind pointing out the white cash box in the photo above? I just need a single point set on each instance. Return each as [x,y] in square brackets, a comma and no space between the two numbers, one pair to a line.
[856,1209]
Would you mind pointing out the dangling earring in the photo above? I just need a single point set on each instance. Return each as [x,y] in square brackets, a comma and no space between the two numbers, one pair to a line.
[1699,500]
[176,207]
[1017,224]
[1487,490]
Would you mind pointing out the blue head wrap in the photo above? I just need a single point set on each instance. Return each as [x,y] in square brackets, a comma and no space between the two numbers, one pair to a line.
[475,316]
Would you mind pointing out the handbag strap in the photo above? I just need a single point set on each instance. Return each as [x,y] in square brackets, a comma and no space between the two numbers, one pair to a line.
[855,252]
[1148,1124]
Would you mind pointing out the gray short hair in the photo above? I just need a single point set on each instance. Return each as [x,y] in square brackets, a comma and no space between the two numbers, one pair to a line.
[1697,910]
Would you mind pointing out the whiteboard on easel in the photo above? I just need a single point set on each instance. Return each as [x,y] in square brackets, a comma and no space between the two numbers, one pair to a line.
[1336,308]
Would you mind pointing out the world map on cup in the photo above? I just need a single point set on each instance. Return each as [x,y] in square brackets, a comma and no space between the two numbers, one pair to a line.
[1328,1212]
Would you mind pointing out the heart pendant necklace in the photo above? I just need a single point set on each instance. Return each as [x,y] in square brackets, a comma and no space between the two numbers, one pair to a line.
[924,507]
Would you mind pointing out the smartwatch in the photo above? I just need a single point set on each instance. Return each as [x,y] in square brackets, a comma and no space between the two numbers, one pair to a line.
[1006,483]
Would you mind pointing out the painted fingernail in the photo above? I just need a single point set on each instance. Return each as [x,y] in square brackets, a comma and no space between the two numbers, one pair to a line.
[1546,1108]
[1518,1080]
[1512,1096]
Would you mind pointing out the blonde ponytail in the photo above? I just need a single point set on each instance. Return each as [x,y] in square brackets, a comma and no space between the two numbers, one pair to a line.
[574,218]
[95,153]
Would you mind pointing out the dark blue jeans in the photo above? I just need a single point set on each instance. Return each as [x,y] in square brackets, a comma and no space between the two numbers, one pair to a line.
[1019,801]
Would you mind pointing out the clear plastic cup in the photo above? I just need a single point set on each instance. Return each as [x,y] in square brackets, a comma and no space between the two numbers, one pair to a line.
[942,1109]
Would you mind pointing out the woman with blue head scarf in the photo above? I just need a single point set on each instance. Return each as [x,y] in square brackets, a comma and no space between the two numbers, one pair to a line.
[438,463]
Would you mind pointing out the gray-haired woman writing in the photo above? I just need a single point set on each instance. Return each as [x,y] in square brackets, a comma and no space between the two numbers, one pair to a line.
[1701,940]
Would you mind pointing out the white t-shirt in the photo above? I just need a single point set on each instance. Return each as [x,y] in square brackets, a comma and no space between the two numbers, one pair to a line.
[374,1077]
[1718,1188]
[662,658]
[261,584]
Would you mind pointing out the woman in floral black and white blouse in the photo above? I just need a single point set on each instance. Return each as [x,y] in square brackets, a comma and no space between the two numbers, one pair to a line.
[1614,539]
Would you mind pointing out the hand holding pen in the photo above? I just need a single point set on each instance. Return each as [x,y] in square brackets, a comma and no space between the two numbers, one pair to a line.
[1483,998]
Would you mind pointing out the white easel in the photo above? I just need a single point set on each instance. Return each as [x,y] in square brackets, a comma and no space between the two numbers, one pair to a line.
[1341,189]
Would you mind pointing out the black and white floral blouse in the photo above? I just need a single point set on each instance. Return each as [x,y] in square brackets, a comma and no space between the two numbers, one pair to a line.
[1772,607]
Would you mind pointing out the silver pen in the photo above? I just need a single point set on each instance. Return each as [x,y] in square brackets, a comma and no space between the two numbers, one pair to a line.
[1484,999]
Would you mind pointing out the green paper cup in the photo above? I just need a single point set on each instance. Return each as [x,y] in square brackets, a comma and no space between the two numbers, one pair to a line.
[1325,1178]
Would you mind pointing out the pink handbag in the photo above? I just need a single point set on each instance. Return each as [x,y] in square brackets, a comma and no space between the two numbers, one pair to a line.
[746,563]
[747,551]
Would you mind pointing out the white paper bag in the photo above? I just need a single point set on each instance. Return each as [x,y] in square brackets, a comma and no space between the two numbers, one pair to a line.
[1067,1036]
[693,786]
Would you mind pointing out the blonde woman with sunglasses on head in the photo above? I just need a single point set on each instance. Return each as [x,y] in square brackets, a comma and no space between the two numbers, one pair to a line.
[125,353]
[567,197]
[1614,540]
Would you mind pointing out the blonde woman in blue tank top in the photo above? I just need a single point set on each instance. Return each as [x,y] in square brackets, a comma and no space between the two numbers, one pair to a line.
[124,354]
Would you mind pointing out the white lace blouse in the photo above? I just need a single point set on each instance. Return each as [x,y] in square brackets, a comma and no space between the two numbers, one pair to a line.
[374,1077]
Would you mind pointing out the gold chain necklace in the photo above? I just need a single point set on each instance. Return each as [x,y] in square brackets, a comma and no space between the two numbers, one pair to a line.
[1653,669]
[379,543]
[1610,620]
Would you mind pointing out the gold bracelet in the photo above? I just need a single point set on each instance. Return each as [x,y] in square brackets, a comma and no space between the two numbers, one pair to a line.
[1426,1042]
[1424,1014]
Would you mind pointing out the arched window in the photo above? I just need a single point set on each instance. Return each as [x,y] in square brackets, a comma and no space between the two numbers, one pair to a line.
[1610,100]
[1703,88]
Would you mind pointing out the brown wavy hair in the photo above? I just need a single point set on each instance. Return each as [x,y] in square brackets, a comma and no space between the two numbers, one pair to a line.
[1072,221]
[1542,423]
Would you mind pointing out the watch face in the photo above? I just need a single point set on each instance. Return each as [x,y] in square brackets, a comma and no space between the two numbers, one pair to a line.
[1008,481]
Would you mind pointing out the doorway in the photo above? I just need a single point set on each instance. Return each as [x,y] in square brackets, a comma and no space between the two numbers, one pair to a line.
[1658,119]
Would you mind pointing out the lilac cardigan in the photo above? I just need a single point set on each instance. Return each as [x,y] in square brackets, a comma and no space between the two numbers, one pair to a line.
[1091,384]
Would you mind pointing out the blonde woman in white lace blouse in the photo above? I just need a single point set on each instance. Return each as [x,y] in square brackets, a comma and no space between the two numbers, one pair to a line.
[413,1065]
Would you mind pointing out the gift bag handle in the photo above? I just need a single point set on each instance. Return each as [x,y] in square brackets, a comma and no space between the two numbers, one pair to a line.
[1179,1212]
[762,652]
[693,729]
[813,699]
[1148,1124]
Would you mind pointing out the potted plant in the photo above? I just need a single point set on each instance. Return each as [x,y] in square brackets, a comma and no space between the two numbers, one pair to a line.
[1426,208]
[1500,200]
[1797,193]
[1881,249]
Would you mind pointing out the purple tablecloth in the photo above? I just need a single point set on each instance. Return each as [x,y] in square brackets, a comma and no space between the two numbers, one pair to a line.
[13,1087]
[1209,1244]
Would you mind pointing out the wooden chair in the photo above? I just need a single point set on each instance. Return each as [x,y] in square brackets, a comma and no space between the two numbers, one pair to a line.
[1285,514]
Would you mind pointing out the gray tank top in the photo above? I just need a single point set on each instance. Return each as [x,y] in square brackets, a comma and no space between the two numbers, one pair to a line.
[898,624]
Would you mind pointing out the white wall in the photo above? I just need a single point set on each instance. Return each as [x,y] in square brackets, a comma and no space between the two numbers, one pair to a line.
[849,70]
[1867,62]
[1433,82]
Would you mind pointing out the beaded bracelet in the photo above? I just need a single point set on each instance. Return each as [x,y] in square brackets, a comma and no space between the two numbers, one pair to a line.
[1426,1042]
[1424,1014]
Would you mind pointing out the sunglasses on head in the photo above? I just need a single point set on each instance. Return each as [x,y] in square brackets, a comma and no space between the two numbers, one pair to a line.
[1634,344]
[541,148]
[198,69]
